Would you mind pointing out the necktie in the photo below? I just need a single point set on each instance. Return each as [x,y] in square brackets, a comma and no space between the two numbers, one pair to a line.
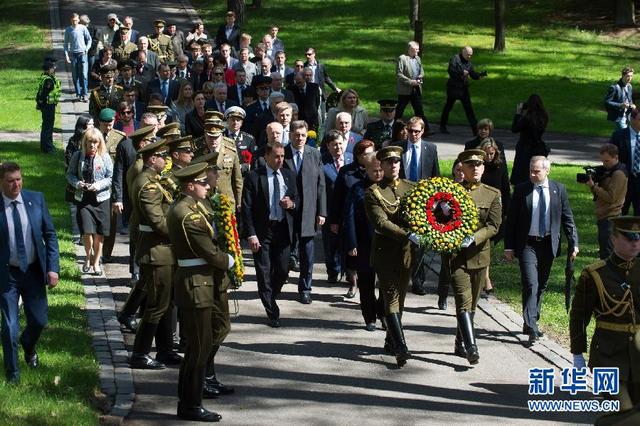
[413,166]
[165,90]
[542,209]
[17,228]
[221,106]
[338,163]
[264,106]
[275,201]
[636,155]
[298,161]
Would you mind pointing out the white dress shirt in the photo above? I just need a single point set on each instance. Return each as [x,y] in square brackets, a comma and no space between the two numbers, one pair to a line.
[275,212]
[26,231]
[535,210]
[407,158]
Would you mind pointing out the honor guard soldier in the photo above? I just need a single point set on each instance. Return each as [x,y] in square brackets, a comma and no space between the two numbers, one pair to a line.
[391,251]
[382,130]
[468,267]
[46,100]
[181,155]
[160,43]
[609,290]
[151,202]
[202,266]
[162,113]
[127,316]
[245,143]
[127,81]
[229,172]
[107,95]
[125,48]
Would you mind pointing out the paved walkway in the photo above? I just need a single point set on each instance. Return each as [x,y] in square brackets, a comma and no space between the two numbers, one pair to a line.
[322,367]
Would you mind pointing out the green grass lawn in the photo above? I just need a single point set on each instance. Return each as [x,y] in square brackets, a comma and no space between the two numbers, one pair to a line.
[506,276]
[61,390]
[24,42]
[360,40]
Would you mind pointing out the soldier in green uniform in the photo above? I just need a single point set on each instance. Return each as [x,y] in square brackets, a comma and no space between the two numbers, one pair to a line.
[202,266]
[381,131]
[151,202]
[609,290]
[123,50]
[46,100]
[391,251]
[229,171]
[140,138]
[468,267]
[107,95]
[127,81]
[181,156]
[160,43]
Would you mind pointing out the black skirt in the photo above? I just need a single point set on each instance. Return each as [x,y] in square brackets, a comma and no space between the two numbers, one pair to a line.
[93,217]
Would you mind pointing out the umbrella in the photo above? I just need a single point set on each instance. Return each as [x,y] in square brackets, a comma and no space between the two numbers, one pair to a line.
[568,281]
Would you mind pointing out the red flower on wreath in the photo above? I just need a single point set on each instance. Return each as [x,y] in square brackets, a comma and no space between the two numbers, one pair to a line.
[454,221]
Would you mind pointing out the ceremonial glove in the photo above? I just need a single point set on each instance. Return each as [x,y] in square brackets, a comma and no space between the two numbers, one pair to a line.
[578,361]
[467,241]
[414,238]
[446,209]
[232,261]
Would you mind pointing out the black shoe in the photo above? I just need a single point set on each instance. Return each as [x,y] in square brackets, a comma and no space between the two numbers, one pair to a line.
[107,259]
[465,323]
[145,362]
[459,350]
[442,303]
[332,278]
[169,358]
[13,381]
[293,264]
[32,359]
[533,338]
[304,298]
[444,130]
[418,289]
[198,414]
[222,389]
[527,330]
[273,323]
[371,326]
[128,321]
[210,392]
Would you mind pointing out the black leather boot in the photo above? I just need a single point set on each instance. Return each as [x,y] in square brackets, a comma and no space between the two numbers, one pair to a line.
[142,345]
[190,407]
[459,349]
[394,329]
[164,342]
[466,328]
[212,385]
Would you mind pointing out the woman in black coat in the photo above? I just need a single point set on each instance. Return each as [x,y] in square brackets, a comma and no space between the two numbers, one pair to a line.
[194,120]
[530,121]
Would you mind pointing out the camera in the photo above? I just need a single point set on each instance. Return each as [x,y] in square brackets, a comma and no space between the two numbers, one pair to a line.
[483,73]
[596,174]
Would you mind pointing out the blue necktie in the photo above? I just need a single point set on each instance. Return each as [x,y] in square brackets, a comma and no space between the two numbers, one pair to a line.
[636,155]
[165,90]
[275,201]
[298,161]
[413,166]
[542,209]
[17,228]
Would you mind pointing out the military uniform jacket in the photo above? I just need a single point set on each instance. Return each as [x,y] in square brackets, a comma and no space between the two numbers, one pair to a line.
[376,132]
[151,202]
[161,45]
[124,51]
[390,248]
[170,182]
[608,348]
[192,237]
[101,98]
[488,201]
[113,138]
[229,171]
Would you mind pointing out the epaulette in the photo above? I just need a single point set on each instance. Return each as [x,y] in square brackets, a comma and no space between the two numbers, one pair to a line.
[115,86]
[595,266]
[229,143]
[492,189]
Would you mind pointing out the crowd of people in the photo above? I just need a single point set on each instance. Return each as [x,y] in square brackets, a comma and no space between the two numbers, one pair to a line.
[293,160]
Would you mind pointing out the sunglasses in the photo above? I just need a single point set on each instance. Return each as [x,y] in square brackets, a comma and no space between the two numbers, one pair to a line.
[308,54]
[126,112]
[218,73]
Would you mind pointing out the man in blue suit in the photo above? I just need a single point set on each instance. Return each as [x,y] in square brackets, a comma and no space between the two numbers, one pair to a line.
[29,259]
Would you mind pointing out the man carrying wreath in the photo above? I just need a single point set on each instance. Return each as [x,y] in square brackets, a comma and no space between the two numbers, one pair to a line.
[391,251]
[468,266]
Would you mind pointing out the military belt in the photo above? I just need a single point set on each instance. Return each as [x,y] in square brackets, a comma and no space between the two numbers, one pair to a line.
[612,326]
[145,228]
[198,261]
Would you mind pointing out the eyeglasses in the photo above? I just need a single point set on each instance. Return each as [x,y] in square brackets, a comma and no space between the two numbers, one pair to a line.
[414,131]
[218,73]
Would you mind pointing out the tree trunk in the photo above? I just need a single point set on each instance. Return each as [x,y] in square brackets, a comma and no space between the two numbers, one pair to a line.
[499,44]
[625,13]
[414,12]
[238,6]
[418,33]
[257,4]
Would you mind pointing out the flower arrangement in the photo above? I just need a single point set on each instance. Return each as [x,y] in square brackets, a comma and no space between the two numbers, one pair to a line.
[246,156]
[441,212]
[228,238]
[312,137]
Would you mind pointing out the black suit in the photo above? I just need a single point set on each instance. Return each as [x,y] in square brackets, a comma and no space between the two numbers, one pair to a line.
[272,259]
[428,166]
[313,203]
[622,139]
[125,158]
[254,111]
[233,40]
[308,103]
[322,78]
[212,105]
[234,95]
[173,90]
[536,254]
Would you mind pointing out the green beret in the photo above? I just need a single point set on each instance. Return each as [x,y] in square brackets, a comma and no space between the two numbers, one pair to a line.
[472,156]
[106,115]
[389,152]
[192,173]
[629,226]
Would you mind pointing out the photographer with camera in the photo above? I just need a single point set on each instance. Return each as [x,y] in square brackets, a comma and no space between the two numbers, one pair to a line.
[460,70]
[608,183]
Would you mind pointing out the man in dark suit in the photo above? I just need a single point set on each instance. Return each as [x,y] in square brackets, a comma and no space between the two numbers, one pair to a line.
[143,46]
[29,260]
[619,99]
[306,162]
[143,71]
[269,201]
[538,210]
[320,75]
[280,66]
[307,97]
[234,92]
[228,33]
[262,85]
[163,85]
[419,161]
[381,130]
[628,143]
[219,102]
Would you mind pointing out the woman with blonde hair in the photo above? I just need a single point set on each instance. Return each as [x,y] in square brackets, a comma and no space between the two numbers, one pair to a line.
[349,102]
[90,172]
[184,104]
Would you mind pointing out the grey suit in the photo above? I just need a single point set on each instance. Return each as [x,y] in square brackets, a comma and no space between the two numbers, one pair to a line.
[313,203]
[405,73]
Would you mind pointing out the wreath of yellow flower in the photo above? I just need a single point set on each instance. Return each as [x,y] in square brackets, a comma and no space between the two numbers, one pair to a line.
[228,238]
[441,212]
